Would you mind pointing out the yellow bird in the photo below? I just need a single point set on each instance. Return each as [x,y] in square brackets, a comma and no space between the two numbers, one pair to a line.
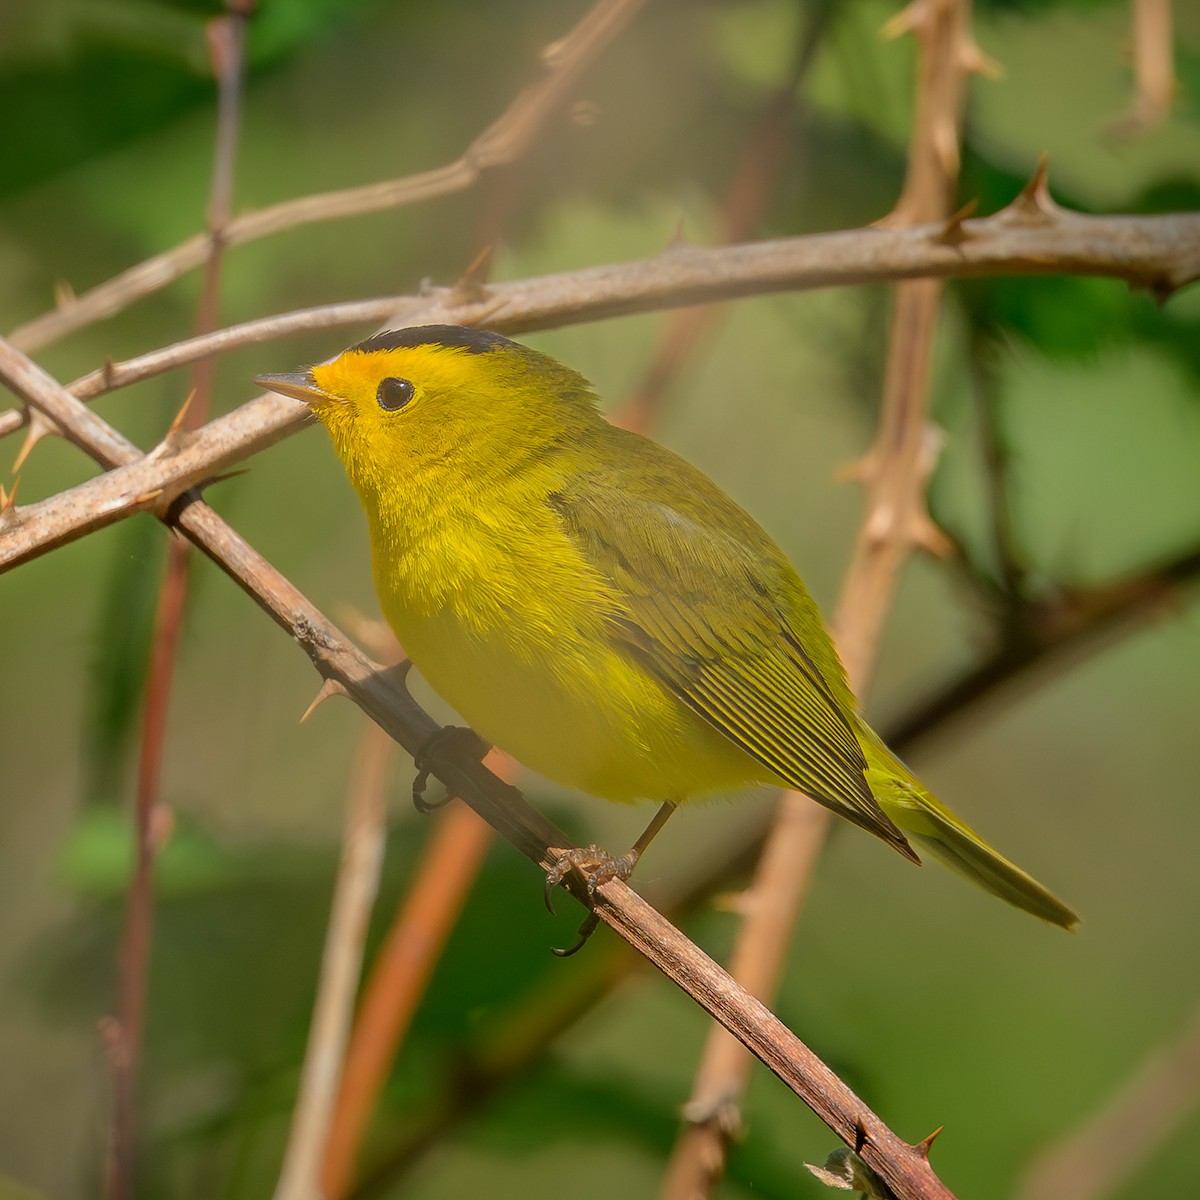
[598,608]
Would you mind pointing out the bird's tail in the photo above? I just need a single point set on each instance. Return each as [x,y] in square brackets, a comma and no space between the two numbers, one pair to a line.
[932,826]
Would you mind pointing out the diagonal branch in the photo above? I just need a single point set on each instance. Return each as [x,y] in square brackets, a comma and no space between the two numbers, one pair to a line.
[501,142]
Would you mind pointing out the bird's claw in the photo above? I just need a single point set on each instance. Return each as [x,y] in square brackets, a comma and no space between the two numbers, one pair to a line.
[595,868]
[449,742]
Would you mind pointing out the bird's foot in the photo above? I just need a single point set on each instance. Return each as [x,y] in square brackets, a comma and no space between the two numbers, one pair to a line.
[595,868]
[452,742]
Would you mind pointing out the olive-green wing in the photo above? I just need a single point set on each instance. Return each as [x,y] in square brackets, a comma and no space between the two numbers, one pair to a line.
[714,611]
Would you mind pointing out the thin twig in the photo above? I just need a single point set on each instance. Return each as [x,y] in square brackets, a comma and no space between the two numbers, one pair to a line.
[501,142]
[341,963]
[1032,236]
[226,37]
[1160,252]
[1106,1151]
[397,981]
[1153,68]
[1073,623]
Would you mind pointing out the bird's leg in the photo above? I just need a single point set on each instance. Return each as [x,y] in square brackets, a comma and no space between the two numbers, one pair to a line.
[449,743]
[597,867]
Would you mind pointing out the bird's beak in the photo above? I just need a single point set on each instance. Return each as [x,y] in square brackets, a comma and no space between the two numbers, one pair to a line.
[297,384]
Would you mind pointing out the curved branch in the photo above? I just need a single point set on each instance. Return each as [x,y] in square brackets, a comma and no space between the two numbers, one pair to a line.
[501,142]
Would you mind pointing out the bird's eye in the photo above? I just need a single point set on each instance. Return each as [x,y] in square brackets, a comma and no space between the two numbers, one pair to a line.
[394,393]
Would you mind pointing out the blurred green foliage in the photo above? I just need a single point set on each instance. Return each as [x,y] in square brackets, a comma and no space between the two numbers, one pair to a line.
[938,1005]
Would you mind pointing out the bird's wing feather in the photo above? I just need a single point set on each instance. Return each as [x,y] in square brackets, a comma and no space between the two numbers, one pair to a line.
[723,625]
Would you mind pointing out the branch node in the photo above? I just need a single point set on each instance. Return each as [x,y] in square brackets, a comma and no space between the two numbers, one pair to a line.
[722,1114]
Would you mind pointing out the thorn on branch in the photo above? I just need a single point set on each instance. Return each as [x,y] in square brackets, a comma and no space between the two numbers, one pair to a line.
[331,687]
[922,1147]
[678,238]
[470,288]
[176,436]
[64,294]
[40,426]
[953,233]
[1034,205]
[975,62]
[911,18]
[8,506]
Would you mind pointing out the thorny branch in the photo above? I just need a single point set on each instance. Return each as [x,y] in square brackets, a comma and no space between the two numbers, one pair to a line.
[895,522]
[1031,235]
[501,142]
[226,38]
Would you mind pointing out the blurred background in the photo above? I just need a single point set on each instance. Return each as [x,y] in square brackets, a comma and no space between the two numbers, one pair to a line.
[1071,415]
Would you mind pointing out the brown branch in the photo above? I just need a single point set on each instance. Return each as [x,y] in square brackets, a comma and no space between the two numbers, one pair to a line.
[226,39]
[354,896]
[1106,1149]
[1066,628]
[501,142]
[754,180]
[905,1168]
[397,981]
[1030,236]
[895,521]
[1153,67]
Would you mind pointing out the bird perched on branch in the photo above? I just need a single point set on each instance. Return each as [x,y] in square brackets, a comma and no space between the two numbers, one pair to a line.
[598,608]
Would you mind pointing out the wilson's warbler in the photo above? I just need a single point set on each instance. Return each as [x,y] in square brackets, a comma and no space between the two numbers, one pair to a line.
[594,605]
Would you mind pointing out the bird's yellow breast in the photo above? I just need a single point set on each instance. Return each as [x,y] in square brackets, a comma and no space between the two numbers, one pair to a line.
[518,645]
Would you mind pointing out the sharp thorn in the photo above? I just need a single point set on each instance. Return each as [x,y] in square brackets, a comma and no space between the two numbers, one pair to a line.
[905,21]
[64,294]
[975,61]
[952,232]
[176,435]
[40,426]
[8,504]
[330,687]
[470,285]
[922,1147]
[1034,203]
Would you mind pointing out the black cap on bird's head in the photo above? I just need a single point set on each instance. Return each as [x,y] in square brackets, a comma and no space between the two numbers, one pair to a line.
[462,337]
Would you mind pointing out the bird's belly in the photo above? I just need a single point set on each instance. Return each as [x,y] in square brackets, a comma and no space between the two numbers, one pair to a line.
[579,712]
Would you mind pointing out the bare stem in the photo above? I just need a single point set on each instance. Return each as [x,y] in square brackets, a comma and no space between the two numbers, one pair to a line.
[151,817]
[341,963]
[501,142]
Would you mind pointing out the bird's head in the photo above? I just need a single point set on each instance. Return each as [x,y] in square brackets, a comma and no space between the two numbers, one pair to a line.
[447,396]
